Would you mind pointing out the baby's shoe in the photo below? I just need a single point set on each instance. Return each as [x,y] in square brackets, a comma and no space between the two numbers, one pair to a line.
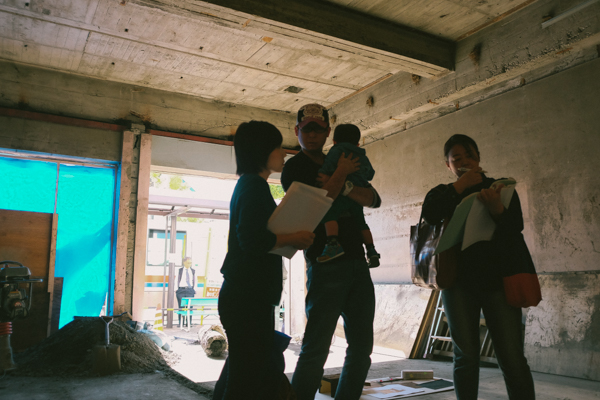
[332,250]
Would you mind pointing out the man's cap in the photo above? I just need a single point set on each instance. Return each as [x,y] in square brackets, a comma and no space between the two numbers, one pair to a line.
[313,113]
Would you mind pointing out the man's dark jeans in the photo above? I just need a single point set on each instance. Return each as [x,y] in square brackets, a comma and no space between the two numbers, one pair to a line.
[337,288]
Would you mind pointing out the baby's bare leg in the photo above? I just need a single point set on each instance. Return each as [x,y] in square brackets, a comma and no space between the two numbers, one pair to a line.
[331,227]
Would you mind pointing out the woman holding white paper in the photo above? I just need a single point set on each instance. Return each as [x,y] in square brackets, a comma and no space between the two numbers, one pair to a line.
[253,277]
[479,285]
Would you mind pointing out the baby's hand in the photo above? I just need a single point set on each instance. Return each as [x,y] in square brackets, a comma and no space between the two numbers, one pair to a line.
[347,164]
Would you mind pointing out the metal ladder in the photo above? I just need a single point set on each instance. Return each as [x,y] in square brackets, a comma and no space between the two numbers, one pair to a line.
[439,341]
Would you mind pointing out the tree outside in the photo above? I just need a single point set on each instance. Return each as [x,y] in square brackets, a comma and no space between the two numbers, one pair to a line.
[277,191]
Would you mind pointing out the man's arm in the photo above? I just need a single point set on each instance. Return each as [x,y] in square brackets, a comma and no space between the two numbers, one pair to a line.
[346,165]
[365,196]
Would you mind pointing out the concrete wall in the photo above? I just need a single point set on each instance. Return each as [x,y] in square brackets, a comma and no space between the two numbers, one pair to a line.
[563,332]
[544,134]
[58,93]
[398,313]
[47,137]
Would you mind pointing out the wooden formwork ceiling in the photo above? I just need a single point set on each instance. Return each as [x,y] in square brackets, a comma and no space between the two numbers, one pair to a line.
[269,54]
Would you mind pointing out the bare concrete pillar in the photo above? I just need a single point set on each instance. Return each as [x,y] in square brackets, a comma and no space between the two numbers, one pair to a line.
[120,303]
[141,227]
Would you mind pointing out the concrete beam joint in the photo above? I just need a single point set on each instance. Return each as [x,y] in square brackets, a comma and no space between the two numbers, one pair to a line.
[138,128]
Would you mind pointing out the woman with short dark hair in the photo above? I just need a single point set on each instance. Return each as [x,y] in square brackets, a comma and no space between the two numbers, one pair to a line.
[253,276]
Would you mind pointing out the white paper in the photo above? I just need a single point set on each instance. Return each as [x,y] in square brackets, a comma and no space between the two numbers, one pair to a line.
[301,209]
[391,391]
[480,225]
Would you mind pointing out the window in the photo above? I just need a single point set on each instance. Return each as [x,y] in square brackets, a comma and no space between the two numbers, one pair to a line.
[157,246]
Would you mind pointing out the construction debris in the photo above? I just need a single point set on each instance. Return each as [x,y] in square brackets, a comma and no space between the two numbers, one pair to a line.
[212,339]
[69,351]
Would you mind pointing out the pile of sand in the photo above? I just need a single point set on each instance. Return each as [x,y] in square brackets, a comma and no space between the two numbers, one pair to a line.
[68,352]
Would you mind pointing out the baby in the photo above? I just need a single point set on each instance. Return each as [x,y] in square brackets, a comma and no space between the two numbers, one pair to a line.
[345,139]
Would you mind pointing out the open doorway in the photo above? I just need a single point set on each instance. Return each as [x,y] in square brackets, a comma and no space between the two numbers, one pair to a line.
[197,209]
[188,217]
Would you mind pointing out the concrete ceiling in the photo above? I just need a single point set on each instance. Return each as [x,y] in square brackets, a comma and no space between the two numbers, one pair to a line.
[267,54]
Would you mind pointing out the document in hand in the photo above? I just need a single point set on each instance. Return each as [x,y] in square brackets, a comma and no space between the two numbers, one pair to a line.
[471,221]
[301,209]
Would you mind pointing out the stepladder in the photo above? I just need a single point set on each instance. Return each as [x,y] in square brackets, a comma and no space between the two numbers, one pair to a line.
[439,342]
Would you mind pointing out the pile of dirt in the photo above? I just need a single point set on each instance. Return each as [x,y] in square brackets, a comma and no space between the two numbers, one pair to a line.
[68,352]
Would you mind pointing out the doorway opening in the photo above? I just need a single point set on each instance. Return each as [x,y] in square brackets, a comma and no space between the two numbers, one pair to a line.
[196,207]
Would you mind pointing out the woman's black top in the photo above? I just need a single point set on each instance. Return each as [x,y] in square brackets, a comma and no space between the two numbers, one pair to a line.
[481,265]
[249,270]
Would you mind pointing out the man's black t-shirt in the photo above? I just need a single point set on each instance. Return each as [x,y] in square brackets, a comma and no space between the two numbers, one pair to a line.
[302,169]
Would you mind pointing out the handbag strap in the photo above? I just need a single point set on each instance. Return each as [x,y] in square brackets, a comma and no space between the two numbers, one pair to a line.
[421,220]
[419,224]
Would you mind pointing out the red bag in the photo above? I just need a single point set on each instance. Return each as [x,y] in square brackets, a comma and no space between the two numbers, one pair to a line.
[521,284]
[522,290]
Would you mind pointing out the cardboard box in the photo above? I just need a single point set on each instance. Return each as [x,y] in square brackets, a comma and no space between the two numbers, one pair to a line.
[329,384]
[417,374]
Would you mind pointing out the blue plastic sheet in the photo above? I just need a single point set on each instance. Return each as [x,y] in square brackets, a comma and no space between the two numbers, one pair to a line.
[85,208]
[27,185]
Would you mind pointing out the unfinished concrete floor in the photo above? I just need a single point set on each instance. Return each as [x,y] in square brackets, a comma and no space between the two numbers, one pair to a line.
[204,371]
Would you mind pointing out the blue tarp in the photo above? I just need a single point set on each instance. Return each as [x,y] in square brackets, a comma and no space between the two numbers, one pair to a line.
[85,208]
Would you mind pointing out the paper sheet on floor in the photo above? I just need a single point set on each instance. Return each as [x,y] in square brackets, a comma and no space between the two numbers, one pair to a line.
[424,387]
[302,208]
[390,391]
[410,389]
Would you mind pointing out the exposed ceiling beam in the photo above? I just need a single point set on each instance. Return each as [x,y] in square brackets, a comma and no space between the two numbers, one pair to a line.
[498,59]
[329,20]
